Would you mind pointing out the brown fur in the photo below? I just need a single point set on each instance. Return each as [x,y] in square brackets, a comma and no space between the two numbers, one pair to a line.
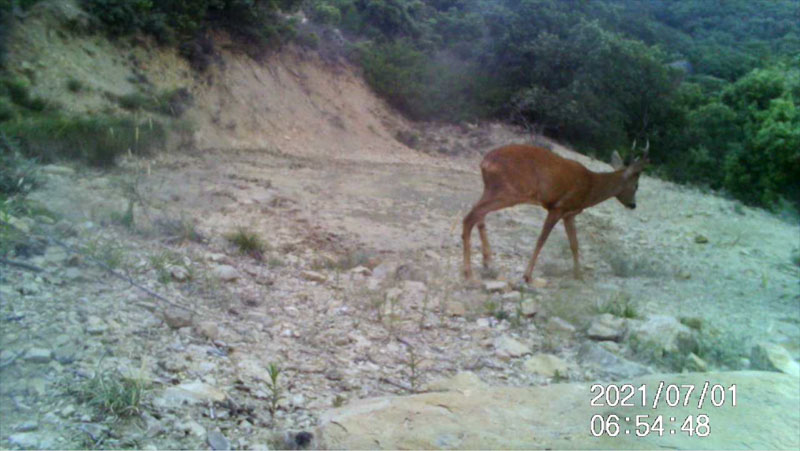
[518,174]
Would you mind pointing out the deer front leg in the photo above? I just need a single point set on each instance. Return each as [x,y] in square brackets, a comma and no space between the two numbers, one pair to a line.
[569,226]
[549,222]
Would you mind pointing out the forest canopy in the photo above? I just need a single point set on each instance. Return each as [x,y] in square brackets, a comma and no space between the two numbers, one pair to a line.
[713,84]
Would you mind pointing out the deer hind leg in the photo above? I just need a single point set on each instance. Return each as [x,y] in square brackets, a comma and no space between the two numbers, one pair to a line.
[484,206]
[549,222]
[569,226]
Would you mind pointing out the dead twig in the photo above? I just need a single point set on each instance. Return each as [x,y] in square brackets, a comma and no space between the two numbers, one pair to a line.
[110,270]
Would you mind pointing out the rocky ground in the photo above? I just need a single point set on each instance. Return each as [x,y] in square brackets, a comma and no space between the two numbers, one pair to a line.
[356,294]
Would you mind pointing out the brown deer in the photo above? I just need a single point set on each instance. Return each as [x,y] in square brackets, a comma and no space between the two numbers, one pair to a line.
[517,174]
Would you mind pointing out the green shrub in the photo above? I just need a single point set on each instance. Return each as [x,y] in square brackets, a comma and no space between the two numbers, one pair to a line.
[74,85]
[98,140]
[18,90]
[18,174]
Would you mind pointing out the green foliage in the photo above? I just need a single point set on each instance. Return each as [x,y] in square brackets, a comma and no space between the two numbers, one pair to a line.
[621,305]
[98,139]
[256,21]
[18,175]
[248,242]
[275,388]
[113,393]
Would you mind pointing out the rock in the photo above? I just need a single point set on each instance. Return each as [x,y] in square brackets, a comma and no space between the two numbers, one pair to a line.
[546,365]
[538,282]
[189,393]
[191,427]
[218,442]
[24,440]
[700,239]
[557,325]
[529,307]
[177,318]
[606,327]
[313,276]
[507,348]
[208,329]
[662,333]
[414,293]
[555,417]
[27,426]
[456,308]
[18,223]
[607,364]
[179,273]
[695,363]
[772,357]
[409,272]
[513,296]
[384,270]
[38,355]
[495,286]
[361,270]
[226,273]
[52,169]
[463,382]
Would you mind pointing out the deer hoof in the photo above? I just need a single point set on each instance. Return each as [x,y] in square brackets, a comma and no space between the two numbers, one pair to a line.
[527,279]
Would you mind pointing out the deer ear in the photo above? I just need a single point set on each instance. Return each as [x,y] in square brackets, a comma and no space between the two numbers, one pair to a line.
[616,161]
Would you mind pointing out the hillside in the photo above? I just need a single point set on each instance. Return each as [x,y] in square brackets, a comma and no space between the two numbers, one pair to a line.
[289,225]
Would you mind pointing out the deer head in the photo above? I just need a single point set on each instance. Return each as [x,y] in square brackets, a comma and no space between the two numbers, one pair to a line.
[627,195]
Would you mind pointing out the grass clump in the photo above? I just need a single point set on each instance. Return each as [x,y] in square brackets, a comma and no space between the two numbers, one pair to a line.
[164,262]
[619,304]
[97,140]
[113,393]
[74,85]
[248,242]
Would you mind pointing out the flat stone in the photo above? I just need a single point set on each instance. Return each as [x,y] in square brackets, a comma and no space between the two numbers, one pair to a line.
[773,357]
[495,286]
[558,325]
[539,282]
[507,348]
[38,355]
[556,417]
[607,364]
[226,273]
[606,327]
[218,442]
[190,393]
[25,440]
[529,307]
[545,365]
[177,318]
[456,308]
[313,276]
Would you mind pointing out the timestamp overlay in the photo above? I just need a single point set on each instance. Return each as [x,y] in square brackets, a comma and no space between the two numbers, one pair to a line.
[685,412]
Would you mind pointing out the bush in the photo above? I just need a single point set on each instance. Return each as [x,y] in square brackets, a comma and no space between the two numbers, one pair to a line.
[97,140]
[18,91]
[17,173]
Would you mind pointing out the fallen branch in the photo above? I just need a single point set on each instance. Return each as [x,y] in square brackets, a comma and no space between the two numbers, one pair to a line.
[22,265]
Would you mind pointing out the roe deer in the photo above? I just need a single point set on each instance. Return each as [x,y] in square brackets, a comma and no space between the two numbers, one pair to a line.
[517,174]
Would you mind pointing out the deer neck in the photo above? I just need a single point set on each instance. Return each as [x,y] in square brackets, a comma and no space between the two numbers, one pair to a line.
[605,185]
